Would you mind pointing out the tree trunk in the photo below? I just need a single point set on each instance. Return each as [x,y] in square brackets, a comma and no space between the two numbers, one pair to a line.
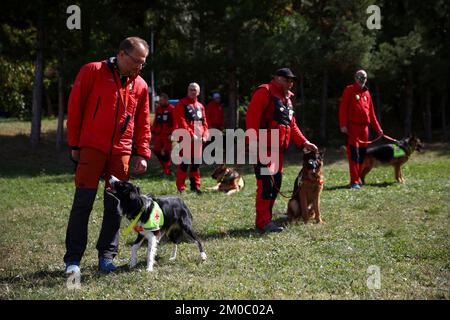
[38,85]
[378,102]
[48,102]
[232,85]
[86,17]
[323,109]
[443,115]
[409,103]
[427,115]
[61,109]
[302,100]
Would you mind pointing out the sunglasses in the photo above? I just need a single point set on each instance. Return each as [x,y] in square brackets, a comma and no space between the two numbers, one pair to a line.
[361,78]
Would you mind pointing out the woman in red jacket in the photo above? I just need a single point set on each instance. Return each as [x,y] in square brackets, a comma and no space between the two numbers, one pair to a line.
[162,128]
[189,115]
[107,118]
[356,112]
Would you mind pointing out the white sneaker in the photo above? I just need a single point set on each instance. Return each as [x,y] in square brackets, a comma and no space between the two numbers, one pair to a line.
[73,268]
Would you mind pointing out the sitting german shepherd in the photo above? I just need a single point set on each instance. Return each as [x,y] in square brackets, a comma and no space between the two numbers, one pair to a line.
[305,201]
[228,180]
[394,154]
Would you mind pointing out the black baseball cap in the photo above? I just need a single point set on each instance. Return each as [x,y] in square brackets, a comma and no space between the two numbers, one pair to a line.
[286,73]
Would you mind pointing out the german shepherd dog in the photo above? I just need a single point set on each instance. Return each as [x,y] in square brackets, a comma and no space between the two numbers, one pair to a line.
[394,154]
[305,201]
[177,220]
[228,180]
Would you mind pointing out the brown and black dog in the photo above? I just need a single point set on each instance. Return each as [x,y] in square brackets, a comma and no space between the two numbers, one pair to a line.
[395,154]
[305,201]
[228,180]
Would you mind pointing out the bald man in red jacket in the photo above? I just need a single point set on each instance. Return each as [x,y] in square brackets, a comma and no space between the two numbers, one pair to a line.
[271,108]
[189,114]
[356,112]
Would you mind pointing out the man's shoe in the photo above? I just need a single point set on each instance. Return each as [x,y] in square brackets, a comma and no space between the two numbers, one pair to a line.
[72,267]
[197,191]
[271,227]
[106,265]
[355,186]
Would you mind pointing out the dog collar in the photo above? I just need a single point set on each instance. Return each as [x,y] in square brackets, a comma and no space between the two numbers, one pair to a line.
[134,222]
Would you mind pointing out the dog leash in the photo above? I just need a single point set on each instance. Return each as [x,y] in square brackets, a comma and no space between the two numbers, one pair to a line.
[279,191]
[378,138]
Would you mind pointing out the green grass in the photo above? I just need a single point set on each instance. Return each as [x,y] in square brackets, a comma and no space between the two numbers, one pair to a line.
[403,229]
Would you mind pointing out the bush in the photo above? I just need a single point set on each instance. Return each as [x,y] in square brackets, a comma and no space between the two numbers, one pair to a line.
[16,87]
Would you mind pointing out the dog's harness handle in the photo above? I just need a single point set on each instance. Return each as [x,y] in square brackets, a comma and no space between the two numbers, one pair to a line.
[134,222]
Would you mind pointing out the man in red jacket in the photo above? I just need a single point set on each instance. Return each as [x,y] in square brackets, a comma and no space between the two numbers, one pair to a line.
[356,112]
[271,108]
[162,128]
[214,112]
[189,115]
[108,116]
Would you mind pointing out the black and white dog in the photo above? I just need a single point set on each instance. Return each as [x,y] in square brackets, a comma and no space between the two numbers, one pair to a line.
[177,220]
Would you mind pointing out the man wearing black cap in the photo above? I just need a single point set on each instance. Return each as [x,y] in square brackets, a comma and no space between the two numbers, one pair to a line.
[271,108]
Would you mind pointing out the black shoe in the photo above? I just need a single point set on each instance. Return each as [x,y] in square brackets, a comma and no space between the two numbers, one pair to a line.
[197,191]
[271,227]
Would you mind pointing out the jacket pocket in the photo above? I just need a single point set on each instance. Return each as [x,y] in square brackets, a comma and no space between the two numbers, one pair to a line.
[96,107]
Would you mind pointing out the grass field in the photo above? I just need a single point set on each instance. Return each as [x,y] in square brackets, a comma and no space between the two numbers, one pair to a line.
[402,229]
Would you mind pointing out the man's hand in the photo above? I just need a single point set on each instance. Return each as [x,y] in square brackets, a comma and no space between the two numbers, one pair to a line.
[344,130]
[75,155]
[310,146]
[380,133]
[140,165]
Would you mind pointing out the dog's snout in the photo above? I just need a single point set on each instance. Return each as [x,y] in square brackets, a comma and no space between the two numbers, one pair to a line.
[113,180]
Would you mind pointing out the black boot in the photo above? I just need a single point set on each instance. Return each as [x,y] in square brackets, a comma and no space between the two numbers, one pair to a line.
[77,228]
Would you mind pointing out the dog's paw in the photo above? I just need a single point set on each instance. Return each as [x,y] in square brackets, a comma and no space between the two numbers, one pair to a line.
[150,269]
[132,264]
[203,256]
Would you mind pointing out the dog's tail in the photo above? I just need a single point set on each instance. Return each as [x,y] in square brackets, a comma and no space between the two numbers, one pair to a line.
[241,183]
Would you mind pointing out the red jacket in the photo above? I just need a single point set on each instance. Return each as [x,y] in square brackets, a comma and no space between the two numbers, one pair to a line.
[97,117]
[356,107]
[270,109]
[163,124]
[189,114]
[214,115]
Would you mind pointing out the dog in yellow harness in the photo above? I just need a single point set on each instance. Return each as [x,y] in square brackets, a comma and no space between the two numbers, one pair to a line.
[152,218]
[394,154]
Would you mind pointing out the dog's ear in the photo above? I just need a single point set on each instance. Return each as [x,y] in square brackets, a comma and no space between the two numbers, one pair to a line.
[322,152]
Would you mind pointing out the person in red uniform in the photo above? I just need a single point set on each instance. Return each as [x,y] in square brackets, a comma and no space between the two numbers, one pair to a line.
[162,129]
[108,117]
[214,113]
[356,112]
[271,108]
[189,115]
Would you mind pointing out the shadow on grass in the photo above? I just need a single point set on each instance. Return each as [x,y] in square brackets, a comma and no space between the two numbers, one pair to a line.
[377,185]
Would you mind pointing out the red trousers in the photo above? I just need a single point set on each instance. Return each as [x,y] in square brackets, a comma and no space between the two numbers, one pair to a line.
[94,164]
[356,151]
[194,171]
[267,189]
[162,148]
